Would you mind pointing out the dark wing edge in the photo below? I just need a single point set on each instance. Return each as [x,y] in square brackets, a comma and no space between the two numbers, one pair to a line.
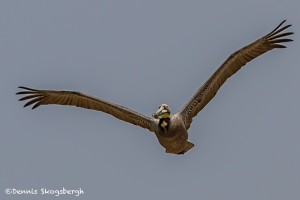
[45,97]
[235,61]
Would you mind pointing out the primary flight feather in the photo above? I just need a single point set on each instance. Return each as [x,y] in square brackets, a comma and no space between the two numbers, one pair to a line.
[170,130]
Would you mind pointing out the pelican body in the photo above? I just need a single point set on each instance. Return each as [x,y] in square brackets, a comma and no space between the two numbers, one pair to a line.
[170,130]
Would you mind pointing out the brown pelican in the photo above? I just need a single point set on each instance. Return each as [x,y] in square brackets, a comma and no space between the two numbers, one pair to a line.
[170,130]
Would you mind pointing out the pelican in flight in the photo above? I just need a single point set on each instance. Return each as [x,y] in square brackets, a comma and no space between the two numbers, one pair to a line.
[170,130]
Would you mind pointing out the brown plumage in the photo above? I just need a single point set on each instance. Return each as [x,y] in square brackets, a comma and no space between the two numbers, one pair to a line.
[235,62]
[44,97]
[171,130]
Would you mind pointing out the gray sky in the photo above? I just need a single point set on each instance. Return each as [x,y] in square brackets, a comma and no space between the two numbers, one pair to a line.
[140,54]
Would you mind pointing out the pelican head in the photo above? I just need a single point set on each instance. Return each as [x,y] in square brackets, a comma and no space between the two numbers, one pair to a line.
[162,112]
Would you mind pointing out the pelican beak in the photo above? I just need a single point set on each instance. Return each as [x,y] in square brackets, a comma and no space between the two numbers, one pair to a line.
[161,113]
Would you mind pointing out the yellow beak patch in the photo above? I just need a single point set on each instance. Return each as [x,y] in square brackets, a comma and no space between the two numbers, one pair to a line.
[164,115]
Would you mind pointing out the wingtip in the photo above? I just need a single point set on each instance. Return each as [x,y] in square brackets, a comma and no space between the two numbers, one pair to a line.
[35,106]
[27,104]
[282,22]
[26,88]
[279,29]
[17,93]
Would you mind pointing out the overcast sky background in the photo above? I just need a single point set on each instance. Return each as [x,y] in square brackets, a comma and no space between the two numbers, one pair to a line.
[140,54]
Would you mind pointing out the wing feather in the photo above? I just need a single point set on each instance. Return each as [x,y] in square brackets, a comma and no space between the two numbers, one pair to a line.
[235,61]
[45,97]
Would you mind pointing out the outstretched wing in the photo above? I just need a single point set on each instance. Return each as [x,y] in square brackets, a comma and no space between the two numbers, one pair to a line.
[45,97]
[235,61]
